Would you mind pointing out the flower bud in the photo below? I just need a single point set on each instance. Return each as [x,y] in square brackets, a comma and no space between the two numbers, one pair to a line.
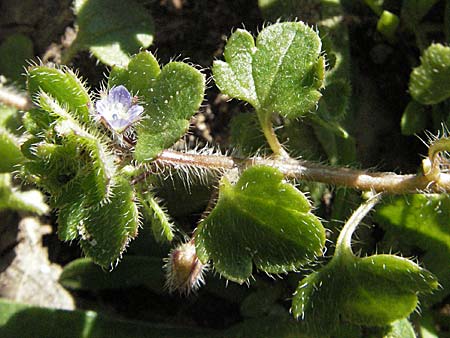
[184,271]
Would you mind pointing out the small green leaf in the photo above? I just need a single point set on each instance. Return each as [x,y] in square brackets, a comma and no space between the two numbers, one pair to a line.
[414,118]
[15,51]
[112,29]
[430,82]
[106,229]
[62,85]
[139,76]
[84,274]
[260,219]
[10,152]
[161,224]
[170,98]
[421,221]
[282,73]
[370,291]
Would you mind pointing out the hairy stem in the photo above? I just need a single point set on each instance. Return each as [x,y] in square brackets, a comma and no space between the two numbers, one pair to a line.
[271,137]
[344,241]
[10,97]
[313,172]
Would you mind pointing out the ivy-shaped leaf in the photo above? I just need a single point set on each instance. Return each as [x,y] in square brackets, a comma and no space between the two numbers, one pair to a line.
[170,96]
[421,221]
[430,82]
[112,29]
[281,73]
[371,291]
[261,220]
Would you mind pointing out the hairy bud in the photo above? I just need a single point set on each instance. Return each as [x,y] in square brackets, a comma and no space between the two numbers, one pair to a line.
[184,271]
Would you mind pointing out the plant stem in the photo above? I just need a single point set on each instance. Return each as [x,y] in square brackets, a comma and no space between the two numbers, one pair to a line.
[12,98]
[271,137]
[312,172]
[344,241]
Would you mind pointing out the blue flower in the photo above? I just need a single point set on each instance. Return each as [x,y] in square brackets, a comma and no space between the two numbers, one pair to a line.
[118,110]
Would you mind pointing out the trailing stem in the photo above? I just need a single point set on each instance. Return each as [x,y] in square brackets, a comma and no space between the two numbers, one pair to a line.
[313,172]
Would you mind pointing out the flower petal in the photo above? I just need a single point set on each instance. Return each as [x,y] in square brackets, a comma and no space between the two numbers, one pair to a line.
[120,95]
[135,112]
[119,125]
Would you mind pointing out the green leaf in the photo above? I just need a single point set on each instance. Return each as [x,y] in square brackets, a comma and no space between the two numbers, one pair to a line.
[260,219]
[430,82]
[112,29]
[15,51]
[421,221]
[370,291]
[95,164]
[414,118]
[62,85]
[20,320]
[14,199]
[139,76]
[107,228]
[170,98]
[84,274]
[158,218]
[10,152]
[281,73]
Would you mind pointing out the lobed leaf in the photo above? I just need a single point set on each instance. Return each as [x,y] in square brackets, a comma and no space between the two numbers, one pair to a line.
[281,73]
[421,221]
[112,29]
[430,82]
[260,220]
[371,291]
[170,98]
